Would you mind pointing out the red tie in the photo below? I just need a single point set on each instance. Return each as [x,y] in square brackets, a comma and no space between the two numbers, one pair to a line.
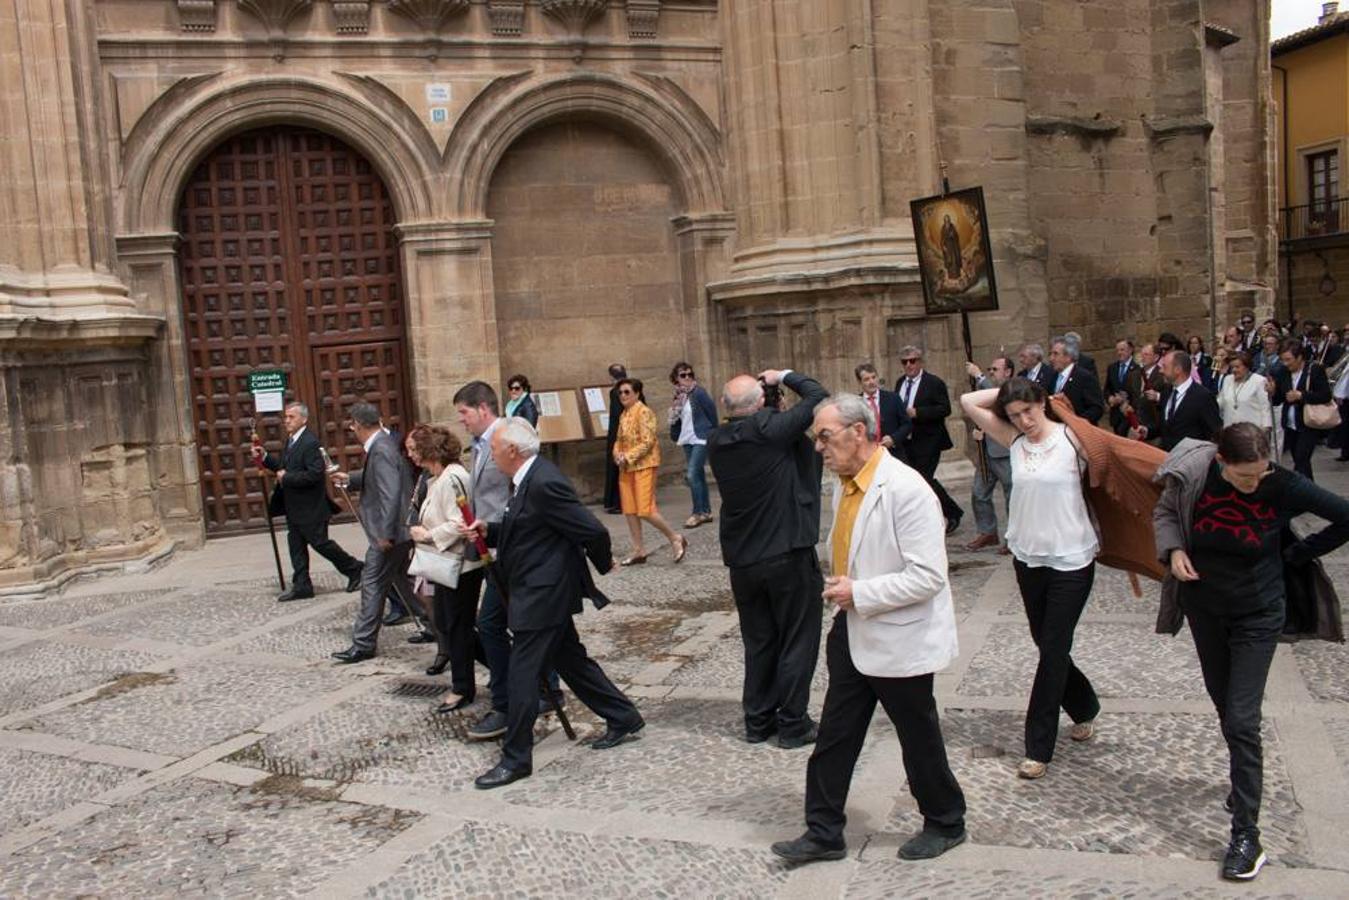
[876,412]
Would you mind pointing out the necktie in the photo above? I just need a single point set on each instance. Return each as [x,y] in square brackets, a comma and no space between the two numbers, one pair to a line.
[1171,407]
[1058,385]
[908,391]
[1123,370]
[876,414]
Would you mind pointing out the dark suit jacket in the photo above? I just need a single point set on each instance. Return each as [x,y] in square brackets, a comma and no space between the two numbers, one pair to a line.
[931,405]
[1045,377]
[895,422]
[1114,384]
[1147,410]
[1315,387]
[1196,416]
[1087,362]
[528,411]
[542,543]
[766,471]
[302,496]
[385,485]
[1083,390]
[1331,355]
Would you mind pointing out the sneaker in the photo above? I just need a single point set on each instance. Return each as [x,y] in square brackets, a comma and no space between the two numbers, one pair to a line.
[1244,858]
[492,725]
[1083,731]
[1031,769]
[929,845]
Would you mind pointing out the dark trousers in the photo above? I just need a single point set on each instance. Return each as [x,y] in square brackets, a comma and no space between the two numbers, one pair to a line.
[454,611]
[925,462]
[611,500]
[377,579]
[780,610]
[1234,654]
[848,707]
[1054,602]
[1301,443]
[300,536]
[558,649]
[495,639]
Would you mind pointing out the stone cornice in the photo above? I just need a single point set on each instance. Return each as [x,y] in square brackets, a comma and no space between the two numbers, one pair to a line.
[811,281]
[30,331]
[1073,125]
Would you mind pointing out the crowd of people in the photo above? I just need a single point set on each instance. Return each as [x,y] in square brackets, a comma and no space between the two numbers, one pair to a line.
[1162,462]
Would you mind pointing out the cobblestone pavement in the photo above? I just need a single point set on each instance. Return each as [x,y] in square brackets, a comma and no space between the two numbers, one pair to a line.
[178,732]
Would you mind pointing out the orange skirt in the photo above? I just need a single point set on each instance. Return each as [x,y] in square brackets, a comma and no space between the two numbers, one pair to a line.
[637,492]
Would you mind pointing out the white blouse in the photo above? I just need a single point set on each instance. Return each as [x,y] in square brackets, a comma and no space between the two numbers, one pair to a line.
[1247,401]
[1048,521]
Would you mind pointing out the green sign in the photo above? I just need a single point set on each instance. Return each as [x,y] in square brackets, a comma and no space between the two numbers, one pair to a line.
[267,381]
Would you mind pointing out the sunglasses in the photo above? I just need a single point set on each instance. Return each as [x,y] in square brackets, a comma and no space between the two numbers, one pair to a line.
[517,387]
[684,375]
[624,392]
[912,359]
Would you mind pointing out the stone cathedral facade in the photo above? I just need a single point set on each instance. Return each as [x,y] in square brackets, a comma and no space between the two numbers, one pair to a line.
[387,198]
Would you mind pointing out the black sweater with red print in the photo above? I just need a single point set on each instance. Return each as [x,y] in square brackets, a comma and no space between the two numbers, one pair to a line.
[1236,544]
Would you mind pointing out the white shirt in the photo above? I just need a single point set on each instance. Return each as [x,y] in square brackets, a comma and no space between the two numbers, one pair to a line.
[296,436]
[1062,378]
[521,472]
[1176,398]
[1034,372]
[909,389]
[1290,409]
[1048,524]
[686,433]
[483,442]
[369,442]
[1244,402]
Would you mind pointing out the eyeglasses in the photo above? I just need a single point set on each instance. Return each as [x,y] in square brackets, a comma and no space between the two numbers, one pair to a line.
[684,375]
[911,359]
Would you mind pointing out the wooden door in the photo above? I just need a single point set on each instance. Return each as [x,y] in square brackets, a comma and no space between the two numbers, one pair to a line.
[288,261]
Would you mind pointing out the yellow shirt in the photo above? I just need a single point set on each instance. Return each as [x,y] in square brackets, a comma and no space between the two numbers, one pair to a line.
[853,490]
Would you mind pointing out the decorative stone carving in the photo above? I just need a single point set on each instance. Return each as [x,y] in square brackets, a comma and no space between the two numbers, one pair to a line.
[275,14]
[642,16]
[352,16]
[507,17]
[429,14]
[574,14]
[197,15]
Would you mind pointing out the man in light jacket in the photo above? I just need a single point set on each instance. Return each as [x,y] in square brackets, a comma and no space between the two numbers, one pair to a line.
[897,628]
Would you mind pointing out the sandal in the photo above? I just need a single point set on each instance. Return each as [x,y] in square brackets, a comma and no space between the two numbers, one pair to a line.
[633,560]
[683,547]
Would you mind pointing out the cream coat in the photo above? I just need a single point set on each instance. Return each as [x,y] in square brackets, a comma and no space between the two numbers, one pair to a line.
[903,622]
[440,513]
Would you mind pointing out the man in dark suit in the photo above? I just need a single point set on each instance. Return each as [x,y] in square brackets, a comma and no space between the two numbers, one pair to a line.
[1075,382]
[1084,359]
[1188,409]
[542,542]
[892,422]
[1117,384]
[385,486]
[1298,383]
[770,523]
[1249,336]
[1146,384]
[1031,357]
[928,404]
[301,497]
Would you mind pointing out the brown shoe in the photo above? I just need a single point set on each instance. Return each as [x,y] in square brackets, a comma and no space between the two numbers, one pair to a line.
[693,521]
[1004,550]
[1031,769]
[1083,731]
[982,541]
[679,548]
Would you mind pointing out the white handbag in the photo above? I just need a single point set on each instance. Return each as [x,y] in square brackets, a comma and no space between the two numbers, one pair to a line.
[436,567]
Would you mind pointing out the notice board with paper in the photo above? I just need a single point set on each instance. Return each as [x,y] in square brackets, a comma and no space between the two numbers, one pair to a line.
[597,409]
[560,417]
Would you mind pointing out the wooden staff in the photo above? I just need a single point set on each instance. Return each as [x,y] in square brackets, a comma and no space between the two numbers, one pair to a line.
[259,454]
[980,451]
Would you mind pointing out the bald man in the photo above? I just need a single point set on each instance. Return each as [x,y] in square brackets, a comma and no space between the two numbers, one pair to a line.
[769,478]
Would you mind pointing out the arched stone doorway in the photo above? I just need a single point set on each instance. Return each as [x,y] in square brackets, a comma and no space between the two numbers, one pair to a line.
[288,260]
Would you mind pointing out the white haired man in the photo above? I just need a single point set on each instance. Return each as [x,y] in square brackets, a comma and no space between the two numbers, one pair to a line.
[542,541]
[897,628]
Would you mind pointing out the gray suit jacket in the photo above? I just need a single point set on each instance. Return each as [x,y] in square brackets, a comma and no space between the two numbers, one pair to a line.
[491,488]
[385,486]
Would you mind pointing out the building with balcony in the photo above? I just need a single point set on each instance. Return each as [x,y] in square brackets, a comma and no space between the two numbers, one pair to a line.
[1311,98]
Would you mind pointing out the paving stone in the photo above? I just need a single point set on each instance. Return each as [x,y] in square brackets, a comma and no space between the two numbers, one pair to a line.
[35,785]
[194,707]
[1325,668]
[1147,785]
[469,862]
[40,672]
[194,618]
[193,837]
[723,666]
[54,612]
[1121,660]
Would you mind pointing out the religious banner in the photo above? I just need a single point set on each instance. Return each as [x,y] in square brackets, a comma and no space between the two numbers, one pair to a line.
[955,258]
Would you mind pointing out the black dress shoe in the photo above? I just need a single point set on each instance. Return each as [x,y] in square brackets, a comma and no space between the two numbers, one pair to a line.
[929,845]
[617,735]
[800,739]
[353,655]
[438,666]
[392,620]
[806,849]
[422,637]
[294,594]
[354,580]
[500,776]
[952,525]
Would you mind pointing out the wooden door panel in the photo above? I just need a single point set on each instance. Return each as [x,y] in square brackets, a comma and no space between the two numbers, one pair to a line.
[349,373]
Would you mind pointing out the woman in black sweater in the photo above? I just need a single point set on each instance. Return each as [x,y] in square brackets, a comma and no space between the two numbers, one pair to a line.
[1222,527]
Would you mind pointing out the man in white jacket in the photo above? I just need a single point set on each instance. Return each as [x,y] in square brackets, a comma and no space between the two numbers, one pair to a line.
[897,628]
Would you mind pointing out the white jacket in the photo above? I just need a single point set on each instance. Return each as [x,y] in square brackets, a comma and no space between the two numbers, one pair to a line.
[903,622]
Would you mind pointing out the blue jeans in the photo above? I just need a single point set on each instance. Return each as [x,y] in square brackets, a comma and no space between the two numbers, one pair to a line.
[695,473]
[496,647]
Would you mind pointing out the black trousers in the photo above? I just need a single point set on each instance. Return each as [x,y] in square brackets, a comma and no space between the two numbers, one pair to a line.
[559,648]
[1301,443]
[454,612]
[780,610]
[848,708]
[1235,653]
[300,536]
[925,462]
[1054,602]
[610,477]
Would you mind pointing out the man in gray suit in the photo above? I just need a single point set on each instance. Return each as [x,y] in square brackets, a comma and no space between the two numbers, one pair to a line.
[999,462]
[385,485]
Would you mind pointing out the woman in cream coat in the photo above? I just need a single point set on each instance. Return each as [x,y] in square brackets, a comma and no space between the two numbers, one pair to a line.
[455,609]
[1243,395]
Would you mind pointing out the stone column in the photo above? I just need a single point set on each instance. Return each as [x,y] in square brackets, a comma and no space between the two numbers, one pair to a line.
[703,258]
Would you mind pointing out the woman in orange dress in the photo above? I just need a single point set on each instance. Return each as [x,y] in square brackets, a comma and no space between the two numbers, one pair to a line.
[637,454]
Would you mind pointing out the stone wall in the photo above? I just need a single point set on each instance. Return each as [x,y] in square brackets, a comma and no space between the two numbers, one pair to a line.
[1319,286]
